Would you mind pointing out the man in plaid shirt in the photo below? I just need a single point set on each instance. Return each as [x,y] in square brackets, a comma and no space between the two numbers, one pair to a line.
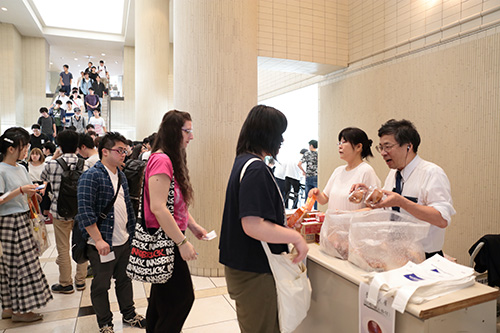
[109,241]
[68,142]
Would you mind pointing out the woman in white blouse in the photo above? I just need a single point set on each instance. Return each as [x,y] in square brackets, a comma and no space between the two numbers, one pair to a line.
[354,147]
[36,164]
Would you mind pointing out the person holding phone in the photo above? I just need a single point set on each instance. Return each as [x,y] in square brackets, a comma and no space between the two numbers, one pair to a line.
[24,285]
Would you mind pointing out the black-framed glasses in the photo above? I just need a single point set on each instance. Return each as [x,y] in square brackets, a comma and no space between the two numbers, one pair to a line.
[188,131]
[387,148]
[120,151]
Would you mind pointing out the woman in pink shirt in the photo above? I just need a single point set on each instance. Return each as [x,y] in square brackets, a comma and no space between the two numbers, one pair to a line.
[170,302]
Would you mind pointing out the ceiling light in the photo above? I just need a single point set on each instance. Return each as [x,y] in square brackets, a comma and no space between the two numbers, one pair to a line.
[51,63]
[103,54]
[75,59]
[116,62]
[4,9]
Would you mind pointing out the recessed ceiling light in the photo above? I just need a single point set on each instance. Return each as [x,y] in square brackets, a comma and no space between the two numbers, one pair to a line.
[75,59]
[51,63]
[4,9]
[103,54]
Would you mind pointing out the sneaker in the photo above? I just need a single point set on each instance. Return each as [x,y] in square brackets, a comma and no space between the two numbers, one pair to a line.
[79,286]
[57,288]
[136,321]
[106,329]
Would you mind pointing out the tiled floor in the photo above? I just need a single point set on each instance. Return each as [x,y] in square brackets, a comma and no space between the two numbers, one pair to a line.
[213,310]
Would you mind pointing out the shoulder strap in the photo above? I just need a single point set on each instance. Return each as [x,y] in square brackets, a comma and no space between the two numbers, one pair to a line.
[81,162]
[250,161]
[62,163]
[105,211]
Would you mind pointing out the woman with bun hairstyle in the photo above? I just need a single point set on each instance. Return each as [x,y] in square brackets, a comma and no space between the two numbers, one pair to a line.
[23,286]
[253,212]
[170,302]
[354,147]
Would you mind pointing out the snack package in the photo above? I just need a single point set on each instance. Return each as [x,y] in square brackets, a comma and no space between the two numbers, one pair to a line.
[334,235]
[295,219]
[382,240]
[357,195]
[373,196]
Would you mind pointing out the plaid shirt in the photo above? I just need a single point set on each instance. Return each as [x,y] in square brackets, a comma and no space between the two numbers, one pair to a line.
[52,174]
[95,191]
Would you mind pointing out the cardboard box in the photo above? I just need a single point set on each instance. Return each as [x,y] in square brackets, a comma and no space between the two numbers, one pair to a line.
[309,229]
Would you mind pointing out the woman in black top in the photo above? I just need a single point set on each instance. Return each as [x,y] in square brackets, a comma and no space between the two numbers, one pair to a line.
[254,212]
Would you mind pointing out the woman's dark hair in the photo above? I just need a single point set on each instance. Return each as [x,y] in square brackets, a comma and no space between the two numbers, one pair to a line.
[14,137]
[262,131]
[169,139]
[136,151]
[355,136]
[403,130]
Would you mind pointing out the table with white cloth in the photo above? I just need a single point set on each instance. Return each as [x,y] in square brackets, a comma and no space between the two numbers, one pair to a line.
[334,303]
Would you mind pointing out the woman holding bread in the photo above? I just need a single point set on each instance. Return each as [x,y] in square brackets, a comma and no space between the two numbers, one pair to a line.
[354,147]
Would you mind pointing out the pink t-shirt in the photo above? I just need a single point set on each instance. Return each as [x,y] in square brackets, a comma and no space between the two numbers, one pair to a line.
[160,163]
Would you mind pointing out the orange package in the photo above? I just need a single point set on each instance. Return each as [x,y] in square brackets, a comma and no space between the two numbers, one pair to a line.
[300,212]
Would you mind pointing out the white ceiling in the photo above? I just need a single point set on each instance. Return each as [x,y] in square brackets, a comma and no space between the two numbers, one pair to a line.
[66,45]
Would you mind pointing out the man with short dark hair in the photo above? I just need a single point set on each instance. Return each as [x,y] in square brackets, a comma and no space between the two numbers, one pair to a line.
[109,242]
[311,159]
[68,142]
[414,186]
[47,123]
[37,139]
[59,114]
[65,78]
[91,102]
[87,149]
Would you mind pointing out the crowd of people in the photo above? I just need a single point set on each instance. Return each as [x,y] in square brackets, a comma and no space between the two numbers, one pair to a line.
[77,103]
[254,210]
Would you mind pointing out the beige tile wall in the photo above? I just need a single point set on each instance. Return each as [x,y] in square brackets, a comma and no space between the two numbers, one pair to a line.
[452,94]
[304,30]
[387,28]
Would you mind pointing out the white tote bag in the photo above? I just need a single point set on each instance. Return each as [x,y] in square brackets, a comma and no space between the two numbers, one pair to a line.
[292,284]
[293,289]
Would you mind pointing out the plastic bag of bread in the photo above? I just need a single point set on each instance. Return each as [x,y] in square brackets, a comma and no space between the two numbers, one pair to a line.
[382,240]
[334,235]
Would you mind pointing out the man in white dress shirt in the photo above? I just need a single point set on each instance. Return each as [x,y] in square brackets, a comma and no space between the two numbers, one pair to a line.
[423,189]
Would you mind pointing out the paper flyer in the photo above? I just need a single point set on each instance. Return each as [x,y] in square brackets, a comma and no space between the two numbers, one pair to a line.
[375,319]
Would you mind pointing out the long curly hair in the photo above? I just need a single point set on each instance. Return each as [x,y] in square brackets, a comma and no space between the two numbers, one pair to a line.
[168,140]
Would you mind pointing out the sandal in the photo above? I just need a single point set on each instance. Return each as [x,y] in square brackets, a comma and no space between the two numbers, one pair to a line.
[26,317]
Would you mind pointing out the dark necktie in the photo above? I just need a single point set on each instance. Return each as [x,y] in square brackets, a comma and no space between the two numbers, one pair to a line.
[397,188]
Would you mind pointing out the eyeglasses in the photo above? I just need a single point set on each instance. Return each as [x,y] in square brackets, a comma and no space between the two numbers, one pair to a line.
[340,143]
[188,131]
[120,151]
[387,148]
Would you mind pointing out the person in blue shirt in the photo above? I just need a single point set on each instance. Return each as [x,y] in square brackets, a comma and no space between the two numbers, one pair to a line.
[109,242]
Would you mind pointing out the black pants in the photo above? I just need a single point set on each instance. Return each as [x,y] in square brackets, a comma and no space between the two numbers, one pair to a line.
[170,302]
[102,281]
[289,183]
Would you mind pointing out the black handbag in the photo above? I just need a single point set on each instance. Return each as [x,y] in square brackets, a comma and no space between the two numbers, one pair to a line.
[78,242]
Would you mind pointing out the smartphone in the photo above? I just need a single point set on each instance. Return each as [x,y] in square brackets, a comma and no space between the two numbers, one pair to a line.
[39,187]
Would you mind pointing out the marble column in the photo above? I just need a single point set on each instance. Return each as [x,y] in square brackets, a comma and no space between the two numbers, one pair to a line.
[215,80]
[151,65]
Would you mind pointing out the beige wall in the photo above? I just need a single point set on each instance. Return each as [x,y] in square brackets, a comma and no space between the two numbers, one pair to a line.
[451,93]
[11,79]
[34,72]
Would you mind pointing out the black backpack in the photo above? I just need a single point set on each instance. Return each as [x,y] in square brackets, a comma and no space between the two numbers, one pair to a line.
[134,172]
[67,203]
